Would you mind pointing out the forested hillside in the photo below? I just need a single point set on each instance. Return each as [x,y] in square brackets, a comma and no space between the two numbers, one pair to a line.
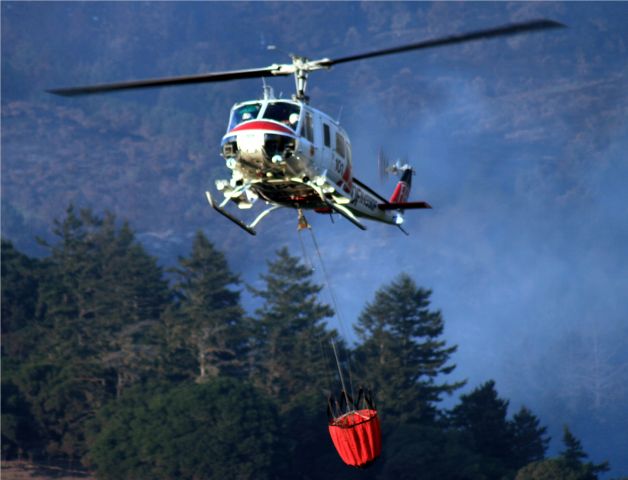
[137,372]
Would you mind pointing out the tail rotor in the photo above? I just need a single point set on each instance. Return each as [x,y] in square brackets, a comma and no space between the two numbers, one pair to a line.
[382,165]
[385,168]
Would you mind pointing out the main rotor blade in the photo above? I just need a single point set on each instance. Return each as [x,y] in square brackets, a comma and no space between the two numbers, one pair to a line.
[272,71]
[511,29]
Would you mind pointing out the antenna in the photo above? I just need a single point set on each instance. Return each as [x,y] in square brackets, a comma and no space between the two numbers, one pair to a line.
[269,93]
[340,113]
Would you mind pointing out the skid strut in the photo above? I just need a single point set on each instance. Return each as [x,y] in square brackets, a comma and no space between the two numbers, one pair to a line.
[250,228]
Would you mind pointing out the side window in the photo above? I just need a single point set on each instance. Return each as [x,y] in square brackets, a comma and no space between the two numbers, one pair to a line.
[308,127]
[348,152]
[340,145]
[327,135]
[307,130]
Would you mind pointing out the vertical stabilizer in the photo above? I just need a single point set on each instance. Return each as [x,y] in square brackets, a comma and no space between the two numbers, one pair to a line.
[402,190]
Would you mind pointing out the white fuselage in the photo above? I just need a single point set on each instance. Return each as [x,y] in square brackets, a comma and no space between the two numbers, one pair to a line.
[293,155]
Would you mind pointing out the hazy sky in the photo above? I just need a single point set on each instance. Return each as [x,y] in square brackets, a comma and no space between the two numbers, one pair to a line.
[519,144]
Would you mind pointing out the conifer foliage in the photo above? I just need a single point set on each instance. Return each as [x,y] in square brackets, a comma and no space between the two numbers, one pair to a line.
[402,355]
[209,321]
[216,430]
[98,297]
[504,445]
[108,362]
[569,465]
[290,332]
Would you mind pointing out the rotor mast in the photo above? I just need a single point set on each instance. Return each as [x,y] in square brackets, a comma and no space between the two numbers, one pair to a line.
[302,67]
[300,79]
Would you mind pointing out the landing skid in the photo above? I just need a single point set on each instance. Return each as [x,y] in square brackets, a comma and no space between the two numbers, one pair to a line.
[345,212]
[235,220]
[248,228]
[335,207]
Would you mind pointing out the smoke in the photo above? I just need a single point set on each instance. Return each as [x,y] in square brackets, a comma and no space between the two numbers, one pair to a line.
[518,145]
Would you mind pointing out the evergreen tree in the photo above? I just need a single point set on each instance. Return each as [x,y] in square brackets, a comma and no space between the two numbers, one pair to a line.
[130,299]
[431,450]
[61,399]
[573,456]
[20,431]
[401,355]
[290,332]
[569,465]
[292,362]
[99,299]
[549,469]
[220,429]
[98,281]
[19,289]
[67,290]
[503,445]
[529,439]
[481,417]
[208,324]
[20,280]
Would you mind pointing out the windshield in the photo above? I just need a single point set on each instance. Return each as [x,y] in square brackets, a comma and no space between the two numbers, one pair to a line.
[284,112]
[244,113]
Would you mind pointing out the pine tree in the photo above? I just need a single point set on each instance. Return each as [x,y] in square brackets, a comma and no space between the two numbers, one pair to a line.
[481,417]
[529,439]
[99,300]
[569,465]
[220,429]
[67,289]
[209,322]
[21,432]
[573,457]
[401,355]
[20,280]
[102,296]
[130,299]
[290,332]
[573,454]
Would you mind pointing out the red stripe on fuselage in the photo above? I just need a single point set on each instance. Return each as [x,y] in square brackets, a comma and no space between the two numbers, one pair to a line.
[262,125]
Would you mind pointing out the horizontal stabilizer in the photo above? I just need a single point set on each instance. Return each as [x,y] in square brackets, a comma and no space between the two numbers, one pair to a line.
[403,205]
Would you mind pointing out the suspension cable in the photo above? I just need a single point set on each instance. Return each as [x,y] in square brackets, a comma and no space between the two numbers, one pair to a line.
[310,265]
[336,310]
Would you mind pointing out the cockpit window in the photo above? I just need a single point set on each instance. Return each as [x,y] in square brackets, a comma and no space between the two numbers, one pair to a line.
[244,113]
[284,112]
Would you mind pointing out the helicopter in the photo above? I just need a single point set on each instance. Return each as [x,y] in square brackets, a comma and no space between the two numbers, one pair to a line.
[290,154]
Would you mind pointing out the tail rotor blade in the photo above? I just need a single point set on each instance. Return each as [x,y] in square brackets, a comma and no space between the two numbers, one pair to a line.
[382,165]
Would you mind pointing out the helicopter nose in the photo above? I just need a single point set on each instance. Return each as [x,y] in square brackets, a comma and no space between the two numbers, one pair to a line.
[255,137]
[250,141]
